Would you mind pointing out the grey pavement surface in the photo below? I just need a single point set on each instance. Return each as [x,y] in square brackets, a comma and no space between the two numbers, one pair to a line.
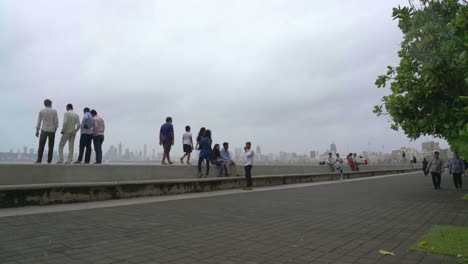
[345,222]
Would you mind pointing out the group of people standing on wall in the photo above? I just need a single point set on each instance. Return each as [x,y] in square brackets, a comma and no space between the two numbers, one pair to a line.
[92,128]
[208,154]
[456,167]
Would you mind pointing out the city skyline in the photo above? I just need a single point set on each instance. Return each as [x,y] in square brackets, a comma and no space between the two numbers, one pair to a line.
[123,153]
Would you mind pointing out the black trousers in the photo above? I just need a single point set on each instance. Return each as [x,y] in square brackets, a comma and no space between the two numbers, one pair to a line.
[248,175]
[200,161]
[85,143]
[436,180]
[457,180]
[42,140]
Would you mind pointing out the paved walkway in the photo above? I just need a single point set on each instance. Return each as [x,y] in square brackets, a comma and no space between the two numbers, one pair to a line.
[343,222]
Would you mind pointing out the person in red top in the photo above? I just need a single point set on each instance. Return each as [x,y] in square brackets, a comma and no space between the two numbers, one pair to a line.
[351,162]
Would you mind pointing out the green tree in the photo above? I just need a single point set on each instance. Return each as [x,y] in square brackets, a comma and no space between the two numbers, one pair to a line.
[429,87]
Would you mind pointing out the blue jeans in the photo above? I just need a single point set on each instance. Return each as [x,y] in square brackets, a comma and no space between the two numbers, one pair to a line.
[85,143]
[97,141]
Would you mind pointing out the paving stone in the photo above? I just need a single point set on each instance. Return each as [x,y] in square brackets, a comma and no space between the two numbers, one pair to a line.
[347,222]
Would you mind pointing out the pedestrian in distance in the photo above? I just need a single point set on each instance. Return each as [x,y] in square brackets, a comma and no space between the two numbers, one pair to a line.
[98,135]
[166,139]
[200,135]
[339,165]
[424,166]
[356,162]
[226,156]
[218,161]
[206,153]
[47,124]
[86,137]
[331,162]
[351,163]
[187,143]
[436,168]
[457,168]
[248,164]
[71,125]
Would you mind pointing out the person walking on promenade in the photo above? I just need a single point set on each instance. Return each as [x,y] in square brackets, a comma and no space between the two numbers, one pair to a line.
[98,135]
[248,163]
[339,165]
[226,156]
[218,161]
[457,168]
[206,153]
[86,137]
[330,162]
[351,163]
[187,143]
[166,139]
[71,125]
[47,124]
[424,166]
[435,167]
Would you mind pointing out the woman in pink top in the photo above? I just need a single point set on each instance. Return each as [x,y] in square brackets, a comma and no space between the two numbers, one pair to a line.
[351,162]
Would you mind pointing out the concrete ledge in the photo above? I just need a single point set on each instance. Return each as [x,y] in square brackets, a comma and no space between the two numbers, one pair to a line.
[18,174]
[57,193]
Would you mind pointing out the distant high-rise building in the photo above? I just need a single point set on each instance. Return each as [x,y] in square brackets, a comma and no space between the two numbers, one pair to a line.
[153,157]
[145,152]
[312,154]
[25,150]
[258,151]
[120,149]
[430,146]
[31,151]
[333,147]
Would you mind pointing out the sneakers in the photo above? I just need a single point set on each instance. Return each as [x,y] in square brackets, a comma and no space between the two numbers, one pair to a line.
[181,160]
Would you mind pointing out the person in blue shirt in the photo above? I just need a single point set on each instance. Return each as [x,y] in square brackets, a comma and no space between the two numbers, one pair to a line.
[206,152]
[166,139]
[86,137]
[226,156]
[457,168]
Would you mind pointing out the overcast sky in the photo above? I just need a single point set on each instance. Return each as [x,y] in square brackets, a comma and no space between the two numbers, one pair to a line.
[287,75]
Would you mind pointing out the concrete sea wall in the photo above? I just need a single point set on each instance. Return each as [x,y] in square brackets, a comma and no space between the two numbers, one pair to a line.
[24,184]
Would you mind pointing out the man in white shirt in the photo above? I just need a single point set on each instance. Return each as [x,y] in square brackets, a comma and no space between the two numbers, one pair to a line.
[47,124]
[187,143]
[248,163]
[71,125]
[339,165]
